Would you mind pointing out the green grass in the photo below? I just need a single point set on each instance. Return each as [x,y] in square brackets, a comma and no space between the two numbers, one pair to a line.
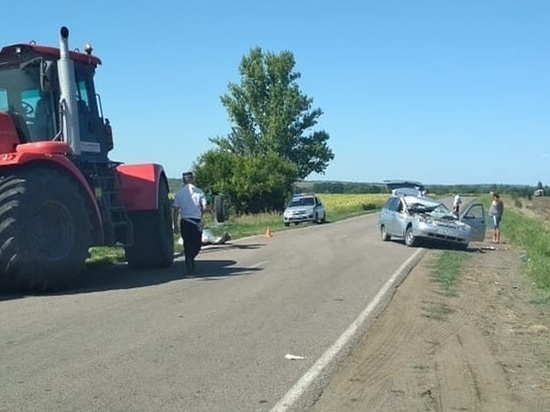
[533,237]
[447,270]
[105,255]
[439,312]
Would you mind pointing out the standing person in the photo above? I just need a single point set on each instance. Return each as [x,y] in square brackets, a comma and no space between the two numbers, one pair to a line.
[457,201]
[495,212]
[187,211]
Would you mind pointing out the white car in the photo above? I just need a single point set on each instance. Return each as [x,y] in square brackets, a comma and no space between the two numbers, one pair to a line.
[304,208]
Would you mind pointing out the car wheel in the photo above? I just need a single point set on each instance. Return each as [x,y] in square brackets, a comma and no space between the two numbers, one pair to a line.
[287,224]
[315,218]
[324,219]
[384,233]
[410,239]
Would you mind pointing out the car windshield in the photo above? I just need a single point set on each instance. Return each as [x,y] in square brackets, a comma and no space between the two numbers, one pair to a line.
[302,201]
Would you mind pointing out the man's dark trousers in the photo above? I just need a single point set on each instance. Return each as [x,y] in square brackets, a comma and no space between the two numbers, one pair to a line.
[191,234]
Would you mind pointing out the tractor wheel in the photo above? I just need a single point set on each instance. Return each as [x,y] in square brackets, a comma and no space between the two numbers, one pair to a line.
[153,245]
[220,209]
[44,231]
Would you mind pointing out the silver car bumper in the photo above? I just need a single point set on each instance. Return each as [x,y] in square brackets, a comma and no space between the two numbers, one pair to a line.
[442,233]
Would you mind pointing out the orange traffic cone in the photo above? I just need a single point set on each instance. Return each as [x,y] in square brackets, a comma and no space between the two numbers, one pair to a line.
[268,233]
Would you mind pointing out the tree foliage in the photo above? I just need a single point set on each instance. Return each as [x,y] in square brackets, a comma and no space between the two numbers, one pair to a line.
[269,114]
[253,184]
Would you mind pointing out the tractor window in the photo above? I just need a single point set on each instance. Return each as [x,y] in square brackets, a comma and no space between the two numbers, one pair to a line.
[20,91]
[29,99]
[91,126]
[40,114]
[83,105]
[82,93]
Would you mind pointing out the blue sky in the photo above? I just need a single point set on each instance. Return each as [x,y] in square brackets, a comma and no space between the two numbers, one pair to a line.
[440,91]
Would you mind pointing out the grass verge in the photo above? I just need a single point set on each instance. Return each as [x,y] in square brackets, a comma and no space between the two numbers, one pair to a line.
[447,270]
[533,237]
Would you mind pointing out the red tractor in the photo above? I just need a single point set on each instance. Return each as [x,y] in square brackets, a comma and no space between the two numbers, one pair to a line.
[60,194]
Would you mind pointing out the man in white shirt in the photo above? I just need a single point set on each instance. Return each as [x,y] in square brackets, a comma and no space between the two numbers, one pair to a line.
[187,211]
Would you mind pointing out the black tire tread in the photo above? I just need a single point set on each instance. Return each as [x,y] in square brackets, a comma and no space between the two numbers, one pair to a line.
[21,266]
[153,245]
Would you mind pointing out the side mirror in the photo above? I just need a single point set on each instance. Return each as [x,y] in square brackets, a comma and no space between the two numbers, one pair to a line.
[46,75]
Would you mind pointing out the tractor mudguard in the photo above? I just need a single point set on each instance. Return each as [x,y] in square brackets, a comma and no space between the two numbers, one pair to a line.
[26,155]
[140,185]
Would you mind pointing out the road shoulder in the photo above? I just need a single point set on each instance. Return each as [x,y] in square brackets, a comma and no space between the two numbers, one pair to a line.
[486,348]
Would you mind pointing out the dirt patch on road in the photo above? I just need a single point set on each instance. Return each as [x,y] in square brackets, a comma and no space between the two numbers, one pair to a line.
[487,348]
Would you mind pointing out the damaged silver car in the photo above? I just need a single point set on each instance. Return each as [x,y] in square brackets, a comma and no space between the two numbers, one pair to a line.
[417,218]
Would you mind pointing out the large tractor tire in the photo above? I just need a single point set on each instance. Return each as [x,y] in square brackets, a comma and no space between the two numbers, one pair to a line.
[44,230]
[153,245]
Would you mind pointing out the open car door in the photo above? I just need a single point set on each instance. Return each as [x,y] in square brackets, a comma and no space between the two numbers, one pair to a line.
[474,216]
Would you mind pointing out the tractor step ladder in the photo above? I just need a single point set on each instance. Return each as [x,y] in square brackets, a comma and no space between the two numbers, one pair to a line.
[117,226]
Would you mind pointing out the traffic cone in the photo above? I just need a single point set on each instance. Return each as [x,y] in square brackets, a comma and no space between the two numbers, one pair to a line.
[268,233]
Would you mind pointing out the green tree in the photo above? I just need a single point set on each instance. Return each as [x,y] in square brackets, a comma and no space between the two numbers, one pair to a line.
[269,114]
[253,184]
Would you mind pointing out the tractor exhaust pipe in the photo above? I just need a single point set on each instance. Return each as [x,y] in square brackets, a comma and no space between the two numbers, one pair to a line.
[67,101]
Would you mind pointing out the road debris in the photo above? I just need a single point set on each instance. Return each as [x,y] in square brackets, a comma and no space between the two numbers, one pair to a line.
[294,357]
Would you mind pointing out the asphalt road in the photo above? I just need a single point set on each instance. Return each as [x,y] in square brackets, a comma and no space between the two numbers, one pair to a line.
[160,341]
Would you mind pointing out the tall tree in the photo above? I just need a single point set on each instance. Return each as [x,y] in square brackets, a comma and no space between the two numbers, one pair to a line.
[270,114]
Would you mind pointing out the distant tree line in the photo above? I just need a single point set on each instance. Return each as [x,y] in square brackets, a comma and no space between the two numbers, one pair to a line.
[515,191]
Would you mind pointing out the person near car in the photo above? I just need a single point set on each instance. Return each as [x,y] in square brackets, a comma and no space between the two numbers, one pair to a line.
[495,213]
[187,211]
[457,201]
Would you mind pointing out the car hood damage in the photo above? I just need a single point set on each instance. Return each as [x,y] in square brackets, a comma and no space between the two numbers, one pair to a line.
[431,210]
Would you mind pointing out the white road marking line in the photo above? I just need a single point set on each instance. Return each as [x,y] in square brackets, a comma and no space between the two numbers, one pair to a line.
[309,377]
[259,264]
